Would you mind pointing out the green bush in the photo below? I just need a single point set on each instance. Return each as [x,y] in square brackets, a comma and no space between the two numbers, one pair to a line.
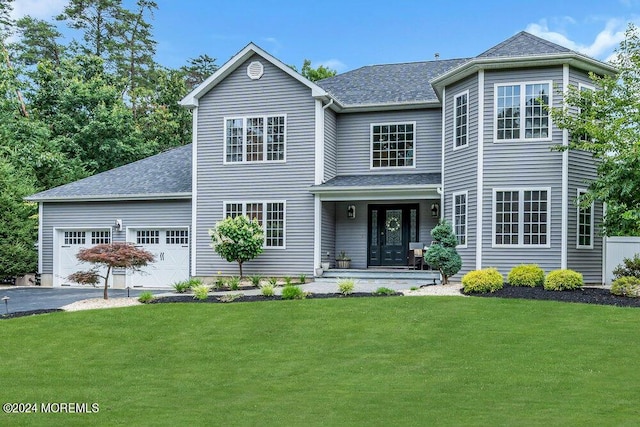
[481,281]
[273,281]
[292,292]
[346,286]
[626,287]
[229,297]
[303,279]
[234,283]
[442,254]
[288,281]
[185,285]
[267,290]
[200,292]
[561,280]
[630,267]
[255,280]
[384,291]
[145,297]
[526,275]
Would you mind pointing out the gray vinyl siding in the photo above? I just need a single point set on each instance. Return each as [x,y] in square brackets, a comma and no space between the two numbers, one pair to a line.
[155,213]
[237,95]
[461,166]
[330,144]
[351,234]
[354,140]
[328,232]
[517,165]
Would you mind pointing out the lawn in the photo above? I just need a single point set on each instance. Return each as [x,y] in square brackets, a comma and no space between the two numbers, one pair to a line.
[358,361]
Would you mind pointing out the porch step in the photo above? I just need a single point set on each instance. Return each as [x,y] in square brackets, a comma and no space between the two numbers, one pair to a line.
[376,274]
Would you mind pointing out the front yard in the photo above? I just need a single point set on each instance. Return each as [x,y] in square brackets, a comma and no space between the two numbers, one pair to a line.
[359,361]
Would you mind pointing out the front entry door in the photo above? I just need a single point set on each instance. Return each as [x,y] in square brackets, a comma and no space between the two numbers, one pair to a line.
[391,228]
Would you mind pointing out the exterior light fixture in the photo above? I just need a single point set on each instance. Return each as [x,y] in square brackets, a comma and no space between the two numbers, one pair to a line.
[351,212]
[118,225]
[435,210]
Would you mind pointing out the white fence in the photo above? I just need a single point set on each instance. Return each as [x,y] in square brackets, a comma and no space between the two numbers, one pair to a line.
[618,248]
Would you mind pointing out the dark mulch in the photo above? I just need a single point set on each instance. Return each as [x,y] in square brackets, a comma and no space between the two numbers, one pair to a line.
[584,295]
[252,298]
[29,313]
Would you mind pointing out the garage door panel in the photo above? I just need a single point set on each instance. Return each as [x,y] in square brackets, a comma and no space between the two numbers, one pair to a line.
[170,248]
[71,241]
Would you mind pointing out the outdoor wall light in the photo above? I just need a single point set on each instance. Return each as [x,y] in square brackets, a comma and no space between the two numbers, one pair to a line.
[435,210]
[118,225]
[351,212]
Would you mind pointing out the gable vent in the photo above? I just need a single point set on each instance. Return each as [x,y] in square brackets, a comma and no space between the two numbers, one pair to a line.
[255,70]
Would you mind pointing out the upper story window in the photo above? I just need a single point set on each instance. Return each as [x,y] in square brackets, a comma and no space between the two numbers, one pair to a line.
[585,223]
[586,104]
[461,120]
[521,217]
[521,111]
[393,145]
[255,139]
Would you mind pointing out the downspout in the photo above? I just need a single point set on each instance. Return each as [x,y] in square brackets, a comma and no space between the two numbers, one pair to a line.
[328,104]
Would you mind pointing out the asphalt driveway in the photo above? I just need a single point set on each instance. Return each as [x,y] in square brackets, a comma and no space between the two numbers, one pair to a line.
[36,298]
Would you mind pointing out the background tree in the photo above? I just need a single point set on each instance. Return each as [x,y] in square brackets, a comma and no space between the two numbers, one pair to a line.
[606,123]
[110,256]
[237,239]
[198,70]
[315,74]
[442,254]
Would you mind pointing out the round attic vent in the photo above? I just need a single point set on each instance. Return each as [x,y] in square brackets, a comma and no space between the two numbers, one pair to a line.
[255,70]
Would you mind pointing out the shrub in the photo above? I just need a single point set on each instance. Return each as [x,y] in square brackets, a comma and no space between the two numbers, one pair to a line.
[630,267]
[292,292]
[303,279]
[626,287]
[237,239]
[560,280]
[200,292]
[145,297]
[442,254]
[229,297]
[273,281]
[485,280]
[185,285]
[267,290]
[220,283]
[526,275]
[234,283]
[346,286]
[288,281]
[384,291]
[255,280]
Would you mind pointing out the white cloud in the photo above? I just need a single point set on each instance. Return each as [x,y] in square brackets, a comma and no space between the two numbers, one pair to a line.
[602,47]
[275,43]
[333,64]
[41,9]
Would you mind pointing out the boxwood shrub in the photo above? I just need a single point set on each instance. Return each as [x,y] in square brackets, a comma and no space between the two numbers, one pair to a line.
[526,275]
[561,280]
[628,286]
[481,281]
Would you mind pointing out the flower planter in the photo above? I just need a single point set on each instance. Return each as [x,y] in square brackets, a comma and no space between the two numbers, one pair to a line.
[343,263]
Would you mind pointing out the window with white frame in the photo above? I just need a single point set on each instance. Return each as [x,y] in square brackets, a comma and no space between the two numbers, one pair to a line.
[393,145]
[521,217]
[270,215]
[461,119]
[586,103]
[255,139]
[100,237]
[460,217]
[147,237]
[521,111]
[585,222]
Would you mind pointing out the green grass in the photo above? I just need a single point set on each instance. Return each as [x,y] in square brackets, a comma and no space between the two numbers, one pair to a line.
[359,361]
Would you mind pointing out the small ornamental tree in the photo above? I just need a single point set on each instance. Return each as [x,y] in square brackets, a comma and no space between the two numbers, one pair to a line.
[237,239]
[442,254]
[110,255]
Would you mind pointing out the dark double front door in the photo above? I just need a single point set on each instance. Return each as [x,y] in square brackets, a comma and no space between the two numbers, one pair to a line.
[391,228]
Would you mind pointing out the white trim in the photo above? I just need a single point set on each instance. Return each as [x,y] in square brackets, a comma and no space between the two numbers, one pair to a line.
[244,119]
[466,216]
[319,143]
[415,152]
[245,202]
[317,231]
[580,191]
[194,193]
[523,93]
[455,127]
[604,247]
[564,243]
[585,86]
[40,236]
[443,144]
[480,173]
[110,198]
[521,191]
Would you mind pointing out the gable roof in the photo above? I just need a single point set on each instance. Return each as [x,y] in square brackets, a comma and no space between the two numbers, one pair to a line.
[388,84]
[523,44]
[191,100]
[163,176]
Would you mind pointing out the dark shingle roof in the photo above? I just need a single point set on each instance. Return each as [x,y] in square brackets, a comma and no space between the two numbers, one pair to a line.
[380,180]
[167,173]
[389,83]
[523,44]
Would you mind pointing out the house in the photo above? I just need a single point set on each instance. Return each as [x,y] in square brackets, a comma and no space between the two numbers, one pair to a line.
[365,162]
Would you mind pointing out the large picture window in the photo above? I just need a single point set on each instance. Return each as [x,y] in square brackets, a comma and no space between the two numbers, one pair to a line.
[521,217]
[393,145]
[461,120]
[521,111]
[270,215]
[255,139]
[585,223]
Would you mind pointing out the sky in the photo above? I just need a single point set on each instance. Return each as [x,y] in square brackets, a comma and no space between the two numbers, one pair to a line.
[345,35]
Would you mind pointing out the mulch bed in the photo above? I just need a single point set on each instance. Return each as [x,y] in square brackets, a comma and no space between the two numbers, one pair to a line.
[584,295]
[29,313]
[253,298]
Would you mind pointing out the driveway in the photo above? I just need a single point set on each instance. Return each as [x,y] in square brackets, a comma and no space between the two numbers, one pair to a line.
[36,298]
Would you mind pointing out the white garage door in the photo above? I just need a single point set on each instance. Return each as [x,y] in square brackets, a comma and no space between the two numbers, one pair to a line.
[171,249]
[70,242]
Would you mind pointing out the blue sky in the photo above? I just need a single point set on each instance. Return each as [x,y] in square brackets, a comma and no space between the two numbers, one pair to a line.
[345,35]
